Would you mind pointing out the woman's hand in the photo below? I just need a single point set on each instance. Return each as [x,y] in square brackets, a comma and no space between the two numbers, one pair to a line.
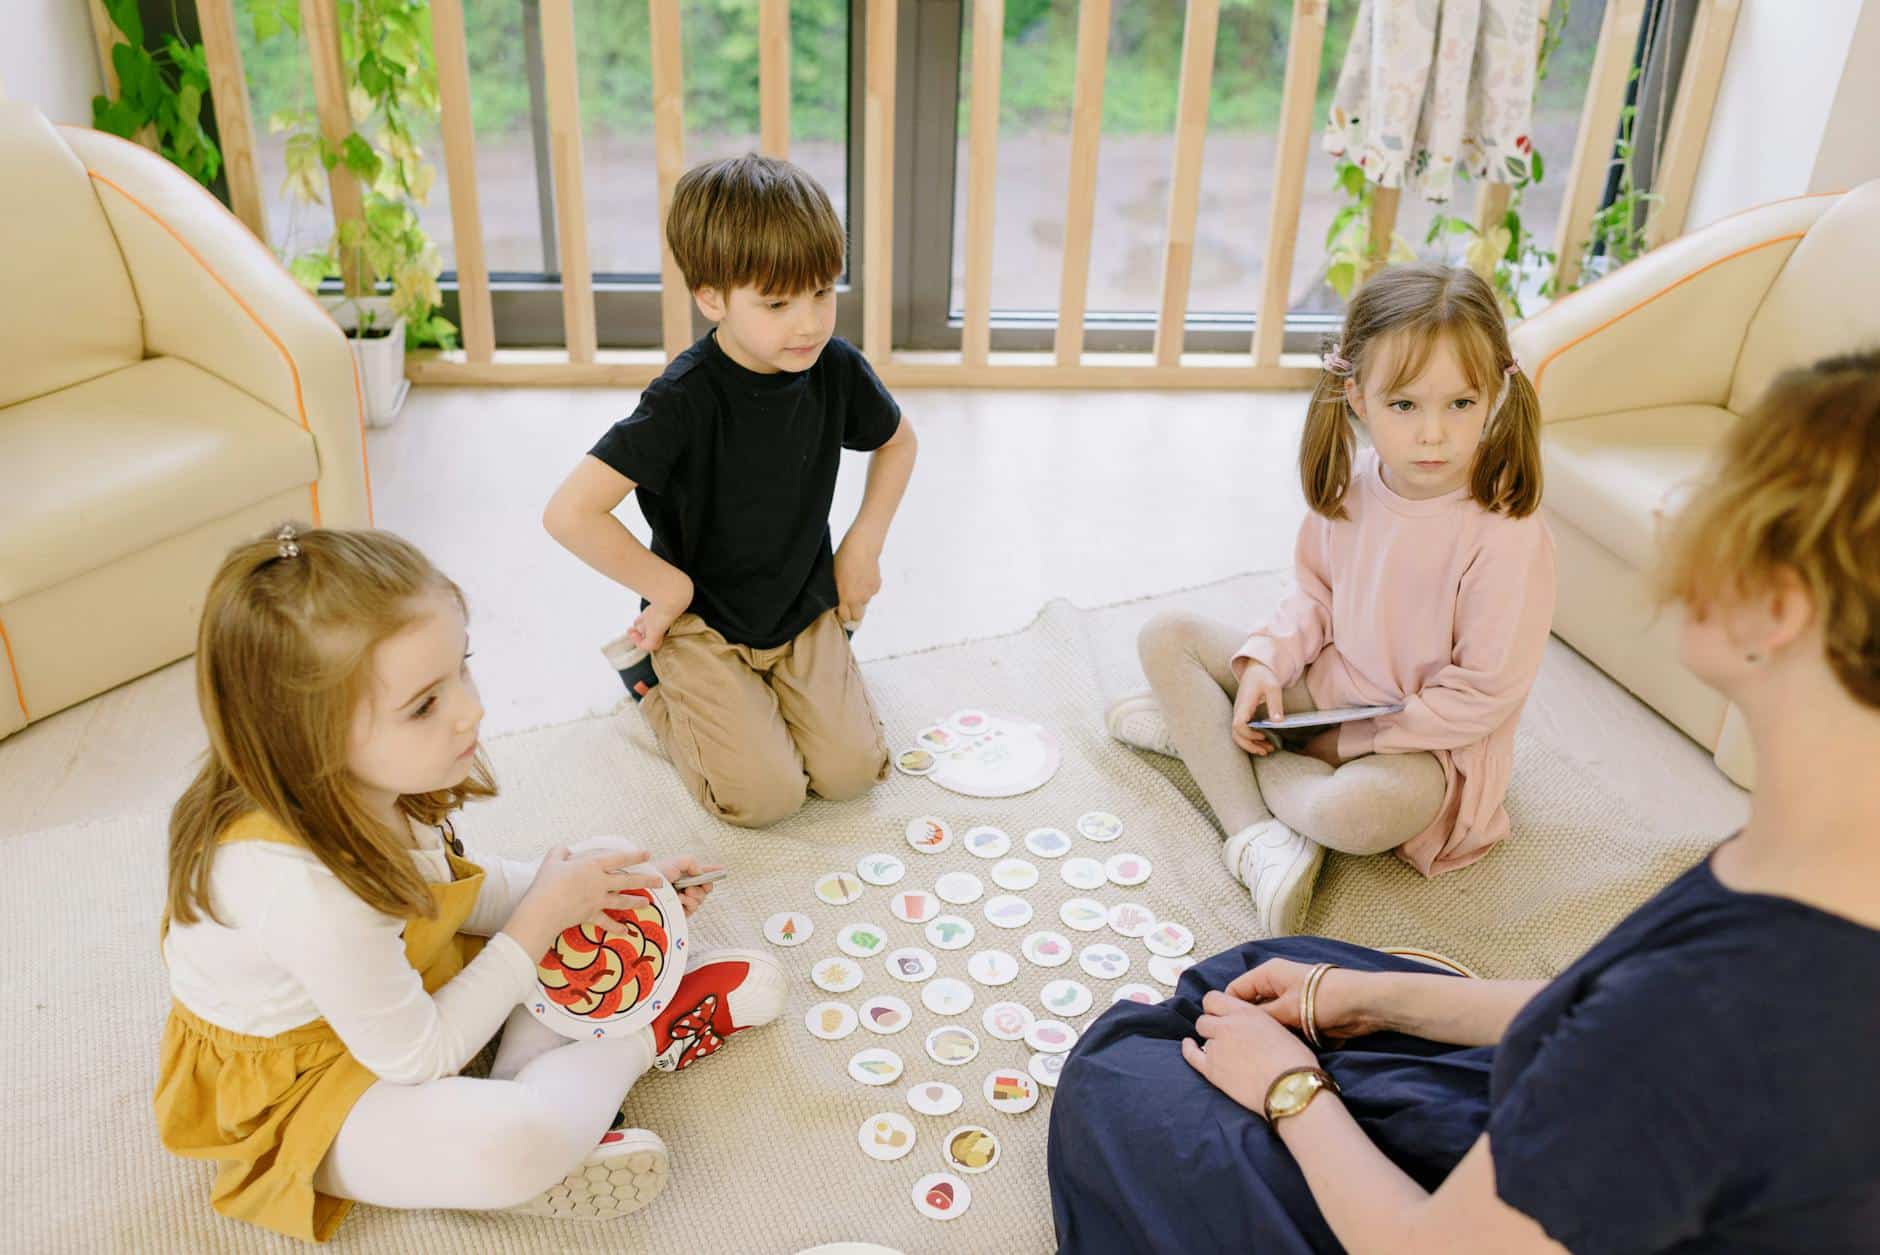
[1242,1049]
[685,865]
[1258,687]
[1274,987]
[573,889]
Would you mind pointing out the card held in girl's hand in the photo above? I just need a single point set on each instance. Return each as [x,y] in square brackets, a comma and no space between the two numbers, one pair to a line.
[1322,718]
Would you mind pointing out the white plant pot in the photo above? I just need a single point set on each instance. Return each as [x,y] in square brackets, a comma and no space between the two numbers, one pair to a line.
[382,382]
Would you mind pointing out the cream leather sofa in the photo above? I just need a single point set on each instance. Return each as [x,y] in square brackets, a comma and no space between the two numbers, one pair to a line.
[1639,376]
[166,390]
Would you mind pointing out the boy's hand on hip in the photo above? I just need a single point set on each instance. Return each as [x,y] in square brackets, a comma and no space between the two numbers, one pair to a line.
[649,630]
[858,579]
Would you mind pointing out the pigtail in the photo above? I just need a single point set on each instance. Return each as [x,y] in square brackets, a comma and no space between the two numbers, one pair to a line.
[1507,473]
[1326,446]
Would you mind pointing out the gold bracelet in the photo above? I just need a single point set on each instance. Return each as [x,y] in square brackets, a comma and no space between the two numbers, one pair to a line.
[1308,1004]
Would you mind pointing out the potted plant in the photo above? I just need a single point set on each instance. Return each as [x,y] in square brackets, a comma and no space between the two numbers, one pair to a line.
[377,333]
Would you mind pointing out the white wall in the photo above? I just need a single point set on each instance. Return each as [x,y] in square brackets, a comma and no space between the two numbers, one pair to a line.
[1795,108]
[49,58]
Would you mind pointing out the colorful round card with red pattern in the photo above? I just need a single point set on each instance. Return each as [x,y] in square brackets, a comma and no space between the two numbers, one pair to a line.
[595,984]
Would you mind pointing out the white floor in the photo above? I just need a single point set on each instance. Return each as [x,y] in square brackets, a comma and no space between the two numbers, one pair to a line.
[1019,497]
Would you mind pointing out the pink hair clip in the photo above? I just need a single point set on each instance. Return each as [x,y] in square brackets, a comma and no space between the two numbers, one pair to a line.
[1335,363]
[1513,367]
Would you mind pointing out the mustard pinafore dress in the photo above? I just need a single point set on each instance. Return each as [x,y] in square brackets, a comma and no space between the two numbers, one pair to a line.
[266,1109]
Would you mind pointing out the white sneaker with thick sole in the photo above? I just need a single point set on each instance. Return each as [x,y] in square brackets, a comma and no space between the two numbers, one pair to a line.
[1279,868]
[623,1174]
[1136,719]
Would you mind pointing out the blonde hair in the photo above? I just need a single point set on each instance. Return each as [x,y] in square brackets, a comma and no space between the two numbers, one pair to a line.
[754,222]
[283,659]
[1417,306]
[1796,486]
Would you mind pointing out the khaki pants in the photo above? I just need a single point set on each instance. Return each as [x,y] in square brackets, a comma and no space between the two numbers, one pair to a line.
[754,731]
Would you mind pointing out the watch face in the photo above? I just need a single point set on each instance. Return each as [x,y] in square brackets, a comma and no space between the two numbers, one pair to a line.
[1290,1094]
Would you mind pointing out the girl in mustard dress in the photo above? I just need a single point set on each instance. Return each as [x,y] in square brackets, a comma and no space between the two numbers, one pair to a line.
[336,957]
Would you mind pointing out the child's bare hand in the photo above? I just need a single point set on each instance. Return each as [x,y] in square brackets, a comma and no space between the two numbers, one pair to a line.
[858,579]
[573,889]
[1259,687]
[686,865]
[649,630]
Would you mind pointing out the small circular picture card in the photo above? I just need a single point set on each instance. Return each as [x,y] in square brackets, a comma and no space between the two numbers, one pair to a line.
[837,976]
[915,906]
[1136,991]
[969,722]
[1086,915]
[1015,874]
[992,967]
[1127,869]
[1103,960]
[952,1045]
[959,888]
[1007,1021]
[1068,998]
[1082,873]
[839,888]
[929,834]
[862,941]
[970,1149]
[1168,970]
[1008,911]
[1047,949]
[788,928]
[876,1065]
[831,1021]
[986,841]
[911,963]
[948,995]
[885,1014]
[1048,842]
[886,1135]
[880,869]
[1099,825]
[916,762]
[934,1098]
[1010,1090]
[1169,940]
[1045,1068]
[1131,919]
[942,1196]
[1050,1037]
[938,739]
[949,932]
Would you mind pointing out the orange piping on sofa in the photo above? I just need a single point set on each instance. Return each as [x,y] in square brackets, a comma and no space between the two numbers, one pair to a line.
[19,690]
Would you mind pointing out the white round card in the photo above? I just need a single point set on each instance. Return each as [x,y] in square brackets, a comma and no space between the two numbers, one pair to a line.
[911,963]
[1127,869]
[837,976]
[929,834]
[886,1135]
[916,761]
[940,740]
[880,869]
[1050,1037]
[969,722]
[986,841]
[876,1065]
[885,1014]
[1008,911]
[788,928]
[1047,949]
[1099,825]
[1136,991]
[1045,1067]
[862,940]
[992,967]
[831,1021]
[948,995]
[1167,970]
[1012,756]
[1007,1021]
[1086,915]
[952,1045]
[1048,842]
[1169,940]
[942,1196]
[969,1149]
[934,1098]
[1015,874]
[1131,919]
[1011,1090]
[1082,873]
[949,932]
[1103,960]
[914,906]
[1067,998]
[839,888]
[959,888]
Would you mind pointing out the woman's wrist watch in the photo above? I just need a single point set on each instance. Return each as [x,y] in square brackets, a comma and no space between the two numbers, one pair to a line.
[1294,1089]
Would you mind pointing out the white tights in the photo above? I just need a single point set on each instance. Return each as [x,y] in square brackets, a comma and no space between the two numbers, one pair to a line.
[482,1145]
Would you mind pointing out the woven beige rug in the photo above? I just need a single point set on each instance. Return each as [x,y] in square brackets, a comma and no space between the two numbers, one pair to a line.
[764,1135]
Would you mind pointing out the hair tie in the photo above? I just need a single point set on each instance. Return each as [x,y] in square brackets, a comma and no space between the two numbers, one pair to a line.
[1513,367]
[289,541]
[1335,363]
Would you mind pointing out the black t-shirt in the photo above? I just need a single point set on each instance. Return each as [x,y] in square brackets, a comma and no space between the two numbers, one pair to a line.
[1702,1080]
[736,472]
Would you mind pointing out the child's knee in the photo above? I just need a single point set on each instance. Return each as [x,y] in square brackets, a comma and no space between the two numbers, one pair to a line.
[850,773]
[1165,639]
[531,1149]
[759,800]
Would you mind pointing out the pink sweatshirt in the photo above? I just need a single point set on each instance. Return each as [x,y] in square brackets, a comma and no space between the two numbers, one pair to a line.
[1440,605]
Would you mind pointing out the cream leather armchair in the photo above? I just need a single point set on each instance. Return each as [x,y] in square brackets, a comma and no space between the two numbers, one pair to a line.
[166,390]
[1639,376]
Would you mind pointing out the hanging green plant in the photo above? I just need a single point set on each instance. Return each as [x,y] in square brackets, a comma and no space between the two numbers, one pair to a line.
[163,90]
[1617,232]
[385,46]
[1348,239]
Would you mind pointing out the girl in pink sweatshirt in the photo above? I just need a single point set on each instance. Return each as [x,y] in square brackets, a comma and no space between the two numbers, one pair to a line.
[1425,577]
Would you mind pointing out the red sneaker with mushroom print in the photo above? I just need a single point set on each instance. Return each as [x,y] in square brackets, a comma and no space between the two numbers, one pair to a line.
[724,992]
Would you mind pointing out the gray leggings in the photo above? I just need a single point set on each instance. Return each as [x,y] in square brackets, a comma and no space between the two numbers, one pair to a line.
[1367,806]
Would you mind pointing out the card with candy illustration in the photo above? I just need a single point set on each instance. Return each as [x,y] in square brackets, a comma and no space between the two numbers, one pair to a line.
[595,984]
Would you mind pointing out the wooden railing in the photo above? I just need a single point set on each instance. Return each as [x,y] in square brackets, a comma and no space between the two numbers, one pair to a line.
[1263,365]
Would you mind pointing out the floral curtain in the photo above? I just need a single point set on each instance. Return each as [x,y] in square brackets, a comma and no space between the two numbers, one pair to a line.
[1428,85]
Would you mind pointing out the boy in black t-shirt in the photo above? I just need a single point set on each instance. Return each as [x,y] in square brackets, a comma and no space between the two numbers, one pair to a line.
[733,452]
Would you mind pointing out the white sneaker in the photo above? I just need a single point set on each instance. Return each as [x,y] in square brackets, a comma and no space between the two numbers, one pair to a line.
[1136,719]
[1279,868]
[623,1174]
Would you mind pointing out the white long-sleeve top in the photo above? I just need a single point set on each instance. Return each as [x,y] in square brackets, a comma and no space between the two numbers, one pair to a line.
[297,945]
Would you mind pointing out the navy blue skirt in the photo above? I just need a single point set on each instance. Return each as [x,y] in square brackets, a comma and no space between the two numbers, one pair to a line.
[1146,1155]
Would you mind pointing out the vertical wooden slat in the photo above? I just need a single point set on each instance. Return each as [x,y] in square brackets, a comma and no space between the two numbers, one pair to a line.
[1383,227]
[320,24]
[1191,129]
[773,77]
[1690,120]
[878,184]
[982,176]
[108,36]
[1080,204]
[1491,202]
[564,142]
[1599,126]
[450,47]
[234,123]
[675,301]
[1304,47]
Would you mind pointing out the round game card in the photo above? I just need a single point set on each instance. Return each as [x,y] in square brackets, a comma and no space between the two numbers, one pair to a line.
[1008,757]
[595,984]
